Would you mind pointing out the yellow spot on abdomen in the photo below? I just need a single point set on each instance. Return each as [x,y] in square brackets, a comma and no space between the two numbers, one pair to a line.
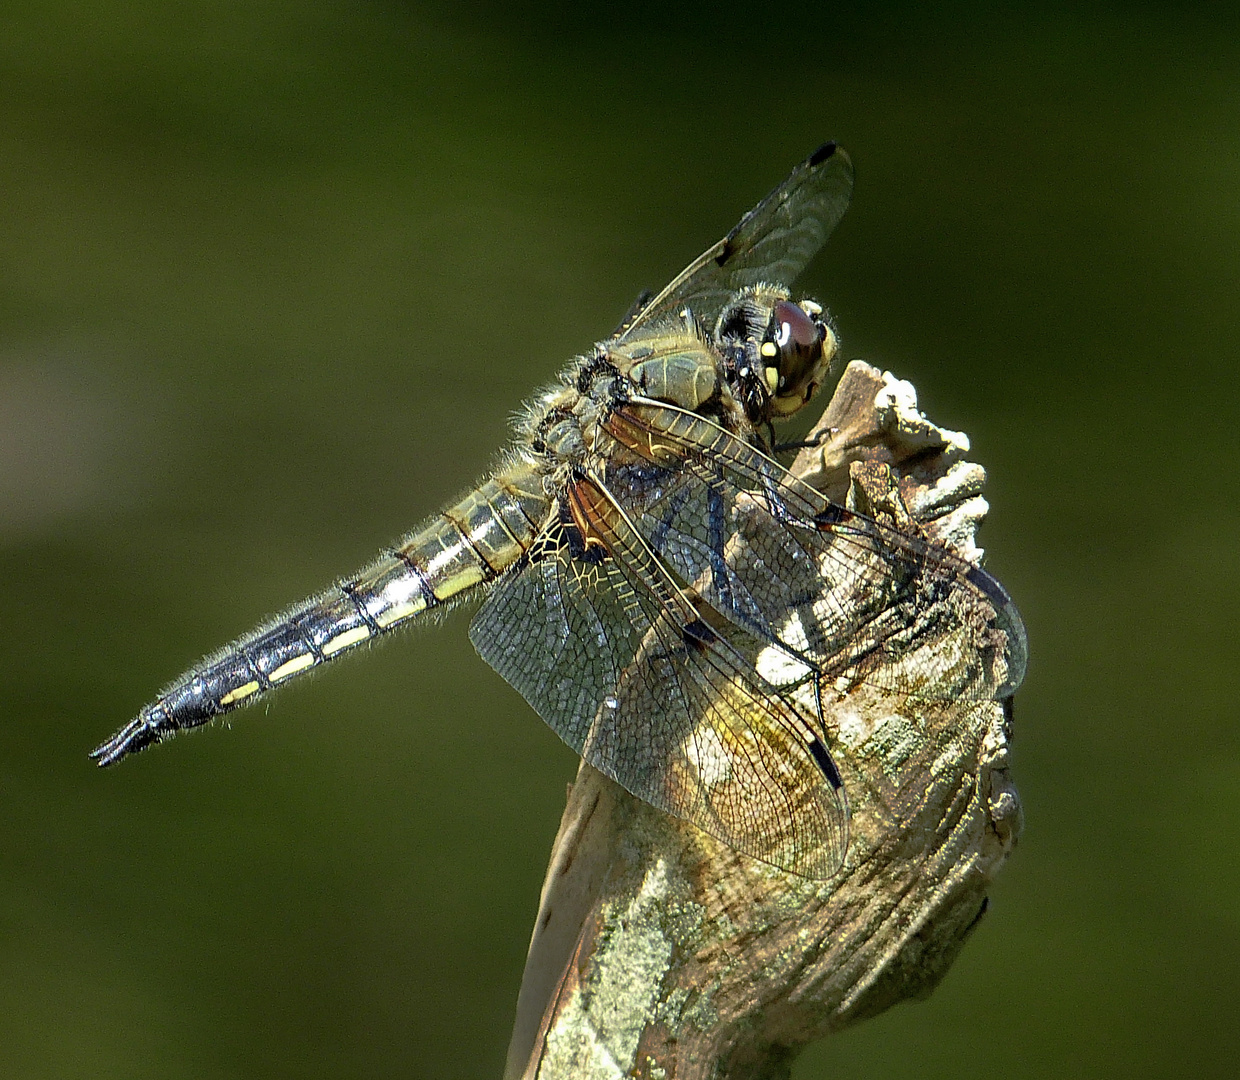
[343,641]
[397,612]
[292,667]
[457,583]
[241,692]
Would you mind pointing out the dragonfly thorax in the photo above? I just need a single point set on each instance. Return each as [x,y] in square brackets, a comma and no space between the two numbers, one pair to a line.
[676,364]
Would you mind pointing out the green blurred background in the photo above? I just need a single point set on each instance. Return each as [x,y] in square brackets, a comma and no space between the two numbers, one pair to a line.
[273,277]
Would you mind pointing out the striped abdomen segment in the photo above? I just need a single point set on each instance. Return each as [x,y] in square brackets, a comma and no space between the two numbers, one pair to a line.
[467,545]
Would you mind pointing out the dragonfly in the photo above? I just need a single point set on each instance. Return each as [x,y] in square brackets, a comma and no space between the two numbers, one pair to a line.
[662,591]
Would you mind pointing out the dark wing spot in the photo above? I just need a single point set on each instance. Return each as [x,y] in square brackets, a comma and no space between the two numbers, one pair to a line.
[726,251]
[578,549]
[820,155]
[833,515]
[697,634]
[989,586]
[823,760]
[985,907]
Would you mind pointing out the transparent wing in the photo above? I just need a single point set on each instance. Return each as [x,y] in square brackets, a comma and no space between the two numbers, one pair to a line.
[772,243]
[664,708]
[826,592]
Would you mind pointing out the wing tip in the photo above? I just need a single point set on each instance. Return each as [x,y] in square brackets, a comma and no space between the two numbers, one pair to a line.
[831,152]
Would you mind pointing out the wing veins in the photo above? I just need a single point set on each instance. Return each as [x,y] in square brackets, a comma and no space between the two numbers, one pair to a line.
[774,241]
[795,492]
[914,564]
[721,653]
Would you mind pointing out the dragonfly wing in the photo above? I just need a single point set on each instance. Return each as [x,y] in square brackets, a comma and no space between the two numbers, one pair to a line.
[664,709]
[828,589]
[772,243]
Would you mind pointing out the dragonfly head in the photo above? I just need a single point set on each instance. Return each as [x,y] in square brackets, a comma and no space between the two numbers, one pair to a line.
[797,351]
[778,351]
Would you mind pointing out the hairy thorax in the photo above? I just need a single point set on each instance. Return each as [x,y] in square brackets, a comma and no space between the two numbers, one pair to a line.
[566,425]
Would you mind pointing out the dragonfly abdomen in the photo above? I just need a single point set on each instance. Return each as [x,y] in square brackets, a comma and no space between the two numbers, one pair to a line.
[465,546]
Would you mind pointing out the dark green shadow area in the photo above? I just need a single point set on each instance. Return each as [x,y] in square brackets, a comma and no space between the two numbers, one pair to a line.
[272,279]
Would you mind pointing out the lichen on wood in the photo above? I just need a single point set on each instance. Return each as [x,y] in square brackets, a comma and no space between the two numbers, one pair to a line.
[660,952]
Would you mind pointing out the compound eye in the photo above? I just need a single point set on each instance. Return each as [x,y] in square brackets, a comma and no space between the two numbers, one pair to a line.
[794,348]
[795,331]
[797,351]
